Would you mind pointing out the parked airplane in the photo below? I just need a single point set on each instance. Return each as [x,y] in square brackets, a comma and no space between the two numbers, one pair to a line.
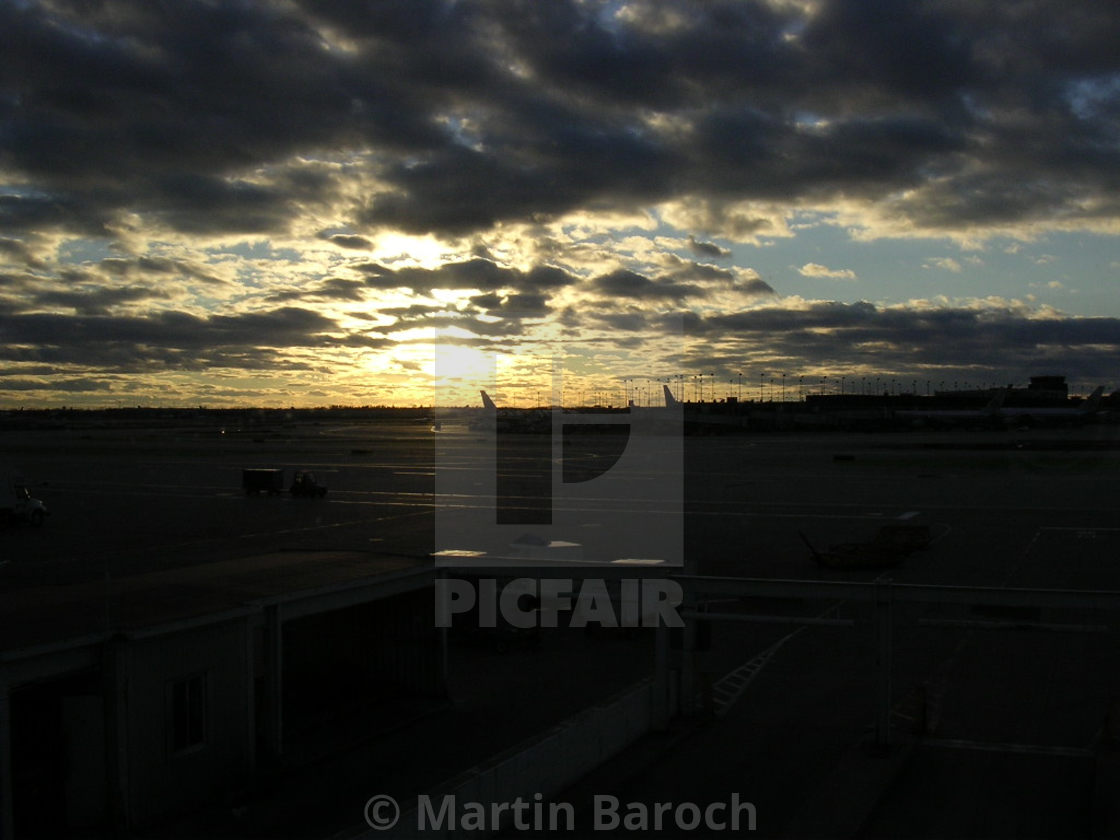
[1027,415]
[996,411]
[990,412]
[676,416]
[670,400]
[511,419]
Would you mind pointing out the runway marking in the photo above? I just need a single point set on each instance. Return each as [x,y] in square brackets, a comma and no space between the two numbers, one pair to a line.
[327,525]
[910,514]
[757,508]
[1019,749]
[1078,530]
[733,684]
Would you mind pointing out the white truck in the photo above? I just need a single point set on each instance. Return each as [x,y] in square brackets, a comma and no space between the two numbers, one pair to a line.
[16,504]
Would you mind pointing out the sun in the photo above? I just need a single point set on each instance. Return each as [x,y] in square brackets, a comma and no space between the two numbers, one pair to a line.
[460,371]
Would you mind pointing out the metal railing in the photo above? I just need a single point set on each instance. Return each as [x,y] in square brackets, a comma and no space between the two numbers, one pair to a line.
[883,595]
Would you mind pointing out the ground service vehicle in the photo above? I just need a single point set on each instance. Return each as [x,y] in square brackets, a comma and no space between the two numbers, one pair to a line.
[304,484]
[16,504]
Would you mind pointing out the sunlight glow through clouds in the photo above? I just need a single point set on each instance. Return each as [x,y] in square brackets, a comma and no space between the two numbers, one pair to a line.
[210,224]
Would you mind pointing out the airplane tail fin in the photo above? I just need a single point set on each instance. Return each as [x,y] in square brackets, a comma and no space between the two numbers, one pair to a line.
[1094,401]
[487,402]
[670,400]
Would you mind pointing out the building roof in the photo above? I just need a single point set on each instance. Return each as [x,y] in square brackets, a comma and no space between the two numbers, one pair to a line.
[301,582]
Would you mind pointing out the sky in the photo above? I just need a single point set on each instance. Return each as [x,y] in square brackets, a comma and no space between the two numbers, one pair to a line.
[388,203]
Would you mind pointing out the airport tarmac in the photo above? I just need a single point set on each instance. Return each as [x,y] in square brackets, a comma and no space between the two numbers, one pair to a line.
[1008,712]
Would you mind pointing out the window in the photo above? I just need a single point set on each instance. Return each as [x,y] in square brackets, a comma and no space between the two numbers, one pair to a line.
[188,713]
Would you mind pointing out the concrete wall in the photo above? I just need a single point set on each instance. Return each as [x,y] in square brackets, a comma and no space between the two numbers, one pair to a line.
[159,780]
[548,763]
[338,663]
[95,714]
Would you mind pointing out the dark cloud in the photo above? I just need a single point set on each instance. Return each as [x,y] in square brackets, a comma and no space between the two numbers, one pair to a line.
[525,305]
[628,321]
[474,274]
[911,50]
[21,214]
[1007,344]
[366,342]
[505,328]
[707,249]
[684,280]
[154,267]
[214,117]
[332,288]
[68,385]
[684,272]
[487,301]
[128,104]
[509,310]
[20,252]
[991,340]
[481,274]
[416,311]
[628,284]
[201,204]
[166,339]
[97,301]
[357,243]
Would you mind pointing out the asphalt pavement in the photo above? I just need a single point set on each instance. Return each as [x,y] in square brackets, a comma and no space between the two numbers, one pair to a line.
[999,721]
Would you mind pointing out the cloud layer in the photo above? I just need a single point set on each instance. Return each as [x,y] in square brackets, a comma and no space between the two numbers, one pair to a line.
[521,143]
[462,115]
